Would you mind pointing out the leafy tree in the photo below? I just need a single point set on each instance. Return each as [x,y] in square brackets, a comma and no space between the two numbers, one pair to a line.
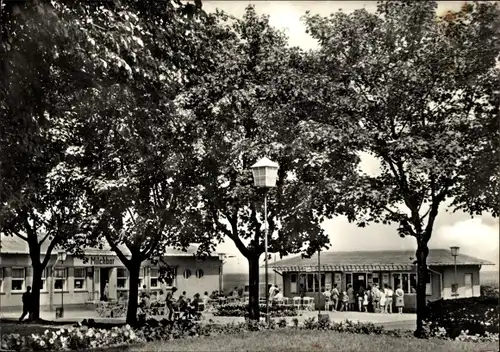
[423,92]
[254,103]
[40,196]
[134,153]
[55,56]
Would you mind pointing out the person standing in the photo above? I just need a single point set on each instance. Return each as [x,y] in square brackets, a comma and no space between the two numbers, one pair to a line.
[376,298]
[361,295]
[344,301]
[170,302]
[27,304]
[388,295]
[365,301]
[145,290]
[400,299]
[350,297]
[383,301]
[335,297]
[272,292]
[328,295]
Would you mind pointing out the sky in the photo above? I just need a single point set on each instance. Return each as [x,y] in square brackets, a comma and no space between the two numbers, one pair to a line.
[476,236]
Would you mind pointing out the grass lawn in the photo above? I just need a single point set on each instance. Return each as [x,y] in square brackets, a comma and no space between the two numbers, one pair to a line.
[290,340]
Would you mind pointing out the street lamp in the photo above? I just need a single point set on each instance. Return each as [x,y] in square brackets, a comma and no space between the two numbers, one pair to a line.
[454,252]
[61,257]
[222,256]
[319,283]
[265,173]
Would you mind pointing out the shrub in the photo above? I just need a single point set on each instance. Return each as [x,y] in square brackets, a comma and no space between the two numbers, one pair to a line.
[241,310]
[476,315]
[490,291]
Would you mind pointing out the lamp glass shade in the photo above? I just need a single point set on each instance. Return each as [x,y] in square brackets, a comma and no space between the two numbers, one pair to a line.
[61,256]
[454,251]
[265,173]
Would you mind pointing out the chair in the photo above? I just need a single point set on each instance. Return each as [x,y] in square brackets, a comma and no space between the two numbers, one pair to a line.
[310,303]
[296,302]
[103,310]
[118,310]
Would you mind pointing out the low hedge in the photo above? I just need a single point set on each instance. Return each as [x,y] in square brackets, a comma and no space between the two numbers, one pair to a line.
[476,315]
[241,310]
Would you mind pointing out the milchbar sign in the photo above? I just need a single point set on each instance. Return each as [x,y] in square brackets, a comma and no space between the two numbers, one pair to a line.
[102,261]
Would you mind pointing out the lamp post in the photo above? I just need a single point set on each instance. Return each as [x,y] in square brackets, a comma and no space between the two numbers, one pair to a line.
[61,257]
[454,252]
[319,283]
[265,173]
[222,256]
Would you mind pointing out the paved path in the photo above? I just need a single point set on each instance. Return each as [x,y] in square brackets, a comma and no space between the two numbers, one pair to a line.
[389,321]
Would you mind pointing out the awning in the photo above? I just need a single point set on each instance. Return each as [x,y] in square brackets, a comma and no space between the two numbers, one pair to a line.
[347,268]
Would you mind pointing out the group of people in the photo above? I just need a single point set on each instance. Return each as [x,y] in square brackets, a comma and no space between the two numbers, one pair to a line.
[188,306]
[370,299]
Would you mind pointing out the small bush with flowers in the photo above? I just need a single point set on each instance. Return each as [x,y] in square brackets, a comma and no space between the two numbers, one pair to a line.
[74,338]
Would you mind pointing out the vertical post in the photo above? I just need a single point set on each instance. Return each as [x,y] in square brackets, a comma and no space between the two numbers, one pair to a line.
[222,276]
[51,286]
[62,298]
[266,266]
[274,269]
[319,283]
[456,275]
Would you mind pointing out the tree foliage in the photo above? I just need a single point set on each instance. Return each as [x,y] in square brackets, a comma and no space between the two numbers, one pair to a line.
[40,197]
[423,93]
[254,103]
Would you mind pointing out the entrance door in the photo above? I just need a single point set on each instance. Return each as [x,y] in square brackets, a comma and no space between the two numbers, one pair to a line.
[468,285]
[359,280]
[103,282]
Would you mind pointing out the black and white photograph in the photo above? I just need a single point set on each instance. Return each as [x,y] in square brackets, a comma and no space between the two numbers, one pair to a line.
[249,175]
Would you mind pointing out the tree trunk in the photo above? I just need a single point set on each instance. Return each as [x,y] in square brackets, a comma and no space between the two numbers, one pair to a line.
[36,286]
[253,283]
[34,252]
[133,290]
[421,254]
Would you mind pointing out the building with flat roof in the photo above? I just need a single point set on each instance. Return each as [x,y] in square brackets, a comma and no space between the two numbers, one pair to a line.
[365,268]
[83,281]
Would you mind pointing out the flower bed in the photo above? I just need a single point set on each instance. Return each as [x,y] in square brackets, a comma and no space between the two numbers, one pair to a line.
[74,338]
[476,316]
[241,310]
[85,338]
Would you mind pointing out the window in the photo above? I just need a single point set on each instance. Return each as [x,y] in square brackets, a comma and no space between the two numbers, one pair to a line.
[348,280]
[199,273]
[121,278]
[43,281]
[293,283]
[312,284]
[187,274]
[408,282]
[153,280]
[80,277]
[397,280]
[428,284]
[413,283]
[141,277]
[375,279]
[60,276]
[18,279]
